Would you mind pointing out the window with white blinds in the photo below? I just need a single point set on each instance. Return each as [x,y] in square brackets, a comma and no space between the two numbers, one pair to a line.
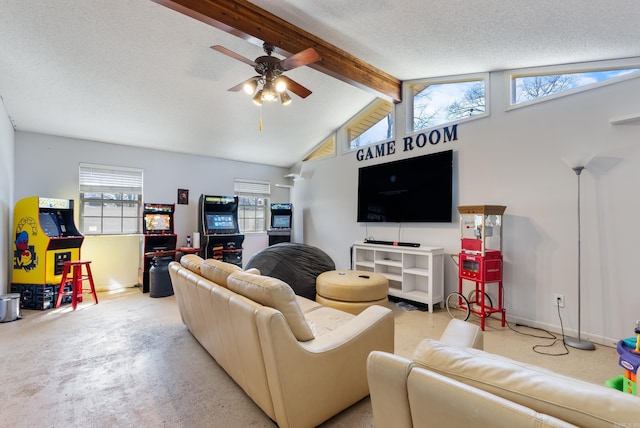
[110,199]
[253,203]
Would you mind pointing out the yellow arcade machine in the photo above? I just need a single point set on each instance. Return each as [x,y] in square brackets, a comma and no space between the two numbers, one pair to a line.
[45,238]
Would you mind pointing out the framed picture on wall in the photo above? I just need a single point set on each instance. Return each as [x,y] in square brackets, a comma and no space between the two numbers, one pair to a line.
[183,196]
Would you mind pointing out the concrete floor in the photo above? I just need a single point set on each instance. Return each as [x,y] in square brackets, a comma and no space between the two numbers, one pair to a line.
[129,361]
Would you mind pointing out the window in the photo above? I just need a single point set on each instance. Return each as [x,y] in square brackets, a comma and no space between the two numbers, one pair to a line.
[373,125]
[325,150]
[253,201]
[110,200]
[535,84]
[438,101]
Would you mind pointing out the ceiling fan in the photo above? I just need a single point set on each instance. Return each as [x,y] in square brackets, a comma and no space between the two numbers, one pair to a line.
[270,74]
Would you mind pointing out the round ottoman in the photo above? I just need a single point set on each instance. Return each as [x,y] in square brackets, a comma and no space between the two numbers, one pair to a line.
[351,290]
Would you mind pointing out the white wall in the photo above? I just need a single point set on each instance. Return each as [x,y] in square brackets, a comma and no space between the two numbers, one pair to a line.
[521,158]
[114,260]
[518,158]
[48,166]
[6,194]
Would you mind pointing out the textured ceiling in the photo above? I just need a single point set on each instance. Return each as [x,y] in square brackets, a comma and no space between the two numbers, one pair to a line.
[137,73]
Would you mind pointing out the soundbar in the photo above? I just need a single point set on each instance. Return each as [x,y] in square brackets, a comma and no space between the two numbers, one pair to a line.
[394,243]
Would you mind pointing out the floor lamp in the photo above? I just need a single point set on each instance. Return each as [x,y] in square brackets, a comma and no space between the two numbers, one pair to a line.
[573,341]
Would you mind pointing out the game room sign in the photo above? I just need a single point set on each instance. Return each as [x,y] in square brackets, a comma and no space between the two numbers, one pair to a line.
[419,141]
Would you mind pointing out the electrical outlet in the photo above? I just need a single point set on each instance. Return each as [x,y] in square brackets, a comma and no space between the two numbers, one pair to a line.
[558,300]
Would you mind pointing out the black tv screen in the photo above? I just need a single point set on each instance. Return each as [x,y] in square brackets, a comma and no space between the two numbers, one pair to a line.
[410,190]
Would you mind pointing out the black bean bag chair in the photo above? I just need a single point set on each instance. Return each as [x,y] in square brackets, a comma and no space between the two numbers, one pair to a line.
[296,264]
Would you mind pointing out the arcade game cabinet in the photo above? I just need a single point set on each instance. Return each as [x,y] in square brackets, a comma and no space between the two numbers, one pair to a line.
[45,238]
[158,237]
[218,227]
[280,230]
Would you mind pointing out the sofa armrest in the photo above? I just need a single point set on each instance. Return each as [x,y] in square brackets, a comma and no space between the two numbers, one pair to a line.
[352,330]
[387,376]
[315,380]
[462,333]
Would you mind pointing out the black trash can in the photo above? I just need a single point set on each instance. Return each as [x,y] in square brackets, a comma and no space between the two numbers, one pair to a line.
[159,279]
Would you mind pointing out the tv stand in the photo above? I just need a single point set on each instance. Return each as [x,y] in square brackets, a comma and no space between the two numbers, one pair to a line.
[414,273]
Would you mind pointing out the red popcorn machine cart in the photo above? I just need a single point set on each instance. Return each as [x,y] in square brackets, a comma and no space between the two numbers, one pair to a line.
[479,262]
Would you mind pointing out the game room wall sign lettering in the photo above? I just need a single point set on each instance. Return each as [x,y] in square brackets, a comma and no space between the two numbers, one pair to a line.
[435,136]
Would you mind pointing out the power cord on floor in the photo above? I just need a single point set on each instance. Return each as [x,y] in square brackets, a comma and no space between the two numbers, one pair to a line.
[549,336]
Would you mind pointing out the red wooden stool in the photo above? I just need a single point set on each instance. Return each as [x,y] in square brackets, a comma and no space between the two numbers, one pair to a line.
[76,282]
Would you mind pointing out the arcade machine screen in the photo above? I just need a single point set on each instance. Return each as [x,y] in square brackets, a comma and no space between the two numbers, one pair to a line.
[49,224]
[220,223]
[282,221]
[157,223]
[54,223]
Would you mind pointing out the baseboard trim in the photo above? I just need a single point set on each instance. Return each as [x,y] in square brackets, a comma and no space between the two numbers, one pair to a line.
[597,339]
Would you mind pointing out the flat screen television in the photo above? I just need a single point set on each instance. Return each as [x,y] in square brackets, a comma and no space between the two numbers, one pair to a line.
[410,190]
[220,223]
[281,221]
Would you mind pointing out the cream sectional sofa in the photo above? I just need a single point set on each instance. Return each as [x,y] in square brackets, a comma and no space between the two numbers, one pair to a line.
[300,362]
[451,383]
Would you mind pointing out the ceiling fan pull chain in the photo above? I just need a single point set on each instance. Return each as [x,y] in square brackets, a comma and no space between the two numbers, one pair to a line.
[260,117]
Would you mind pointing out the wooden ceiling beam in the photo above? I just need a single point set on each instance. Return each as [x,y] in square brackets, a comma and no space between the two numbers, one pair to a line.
[256,25]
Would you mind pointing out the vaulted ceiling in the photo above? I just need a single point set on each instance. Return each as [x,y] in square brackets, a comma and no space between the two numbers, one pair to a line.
[141,72]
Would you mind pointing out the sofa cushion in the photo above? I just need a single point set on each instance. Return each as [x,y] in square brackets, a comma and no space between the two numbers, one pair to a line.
[307,305]
[578,402]
[274,293]
[192,262]
[324,319]
[217,271]
[445,402]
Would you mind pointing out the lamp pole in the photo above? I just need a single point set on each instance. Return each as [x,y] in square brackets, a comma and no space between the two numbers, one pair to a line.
[578,343]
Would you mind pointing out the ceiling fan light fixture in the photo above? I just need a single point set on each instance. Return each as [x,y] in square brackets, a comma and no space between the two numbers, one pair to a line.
[270,84]
[285,99]
[281,84]
[268,93]
[257,98]
[250,86]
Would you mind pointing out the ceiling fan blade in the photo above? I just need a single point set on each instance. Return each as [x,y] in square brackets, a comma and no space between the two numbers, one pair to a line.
[240,86]
[296,88]
[304,57]
[233,55]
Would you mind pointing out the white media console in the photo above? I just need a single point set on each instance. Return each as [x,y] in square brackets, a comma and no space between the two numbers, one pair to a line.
[414,273]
